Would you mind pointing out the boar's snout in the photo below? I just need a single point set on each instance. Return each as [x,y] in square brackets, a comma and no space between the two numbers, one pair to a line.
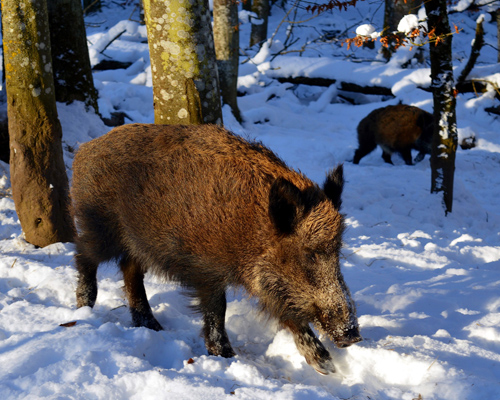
[351,336]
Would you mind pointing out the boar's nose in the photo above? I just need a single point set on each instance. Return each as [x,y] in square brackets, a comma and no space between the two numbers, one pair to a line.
[351,336]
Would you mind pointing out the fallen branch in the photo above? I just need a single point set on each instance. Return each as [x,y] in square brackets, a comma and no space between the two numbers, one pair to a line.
[346,86]
[112,40]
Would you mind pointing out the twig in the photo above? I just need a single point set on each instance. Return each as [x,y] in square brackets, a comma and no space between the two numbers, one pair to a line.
[112,40]
[89,6]
[432,363]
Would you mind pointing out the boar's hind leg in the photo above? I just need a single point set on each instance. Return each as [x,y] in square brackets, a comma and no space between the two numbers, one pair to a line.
[213,308]
[311,348]
[366,146]
[140,309]
[386,156]
[86,290]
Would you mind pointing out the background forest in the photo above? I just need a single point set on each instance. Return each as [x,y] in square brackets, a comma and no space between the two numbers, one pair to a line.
[426,285]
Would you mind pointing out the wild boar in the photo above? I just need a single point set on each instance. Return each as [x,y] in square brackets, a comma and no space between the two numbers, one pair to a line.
[203,207]
[397,128]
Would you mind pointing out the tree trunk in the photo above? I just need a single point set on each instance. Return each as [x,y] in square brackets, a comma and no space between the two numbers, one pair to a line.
[395,10]
[183,65]
[498,34]
[38,175]
[259,28]
[227,45]
[477,45]
[70,55]
[445,139]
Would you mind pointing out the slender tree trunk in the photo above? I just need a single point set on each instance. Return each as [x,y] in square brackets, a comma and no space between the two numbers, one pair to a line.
[477,45]
[498,34]
[183,65]
[70,55]
[445,140]
[227,45]
[38,175]
[259,28]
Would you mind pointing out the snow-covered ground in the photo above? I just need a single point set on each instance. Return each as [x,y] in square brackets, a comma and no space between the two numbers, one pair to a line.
[427,287]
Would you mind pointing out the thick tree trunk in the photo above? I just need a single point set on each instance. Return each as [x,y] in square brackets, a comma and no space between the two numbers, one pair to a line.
[70,55]
[445,139]
[183,65]
[227,45]
[395,10]
[259,28]
[38,175]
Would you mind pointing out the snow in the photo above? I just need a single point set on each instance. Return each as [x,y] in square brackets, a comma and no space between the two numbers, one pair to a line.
[427,287]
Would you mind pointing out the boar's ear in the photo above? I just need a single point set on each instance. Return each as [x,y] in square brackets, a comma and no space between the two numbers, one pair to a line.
[334,185]
[284,201]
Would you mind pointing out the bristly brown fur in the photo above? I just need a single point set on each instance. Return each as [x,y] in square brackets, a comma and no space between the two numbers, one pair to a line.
[398,128]
[208,209]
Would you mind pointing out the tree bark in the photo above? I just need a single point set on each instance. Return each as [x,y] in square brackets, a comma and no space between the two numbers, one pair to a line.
[38,175]
[227,45]
[70,55]
[474,54]
[183,65]
[445,139]
[394,11]
[498,33]
[259,29]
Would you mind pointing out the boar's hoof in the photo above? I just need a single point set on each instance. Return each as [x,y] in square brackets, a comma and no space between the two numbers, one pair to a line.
[324,367]
[141,320]
[225,351]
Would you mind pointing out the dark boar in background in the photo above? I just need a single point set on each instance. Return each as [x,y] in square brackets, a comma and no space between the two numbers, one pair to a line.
[201,206]
[397,128]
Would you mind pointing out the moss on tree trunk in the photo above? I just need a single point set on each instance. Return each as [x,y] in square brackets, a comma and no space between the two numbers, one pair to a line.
[183,66]
[38,175]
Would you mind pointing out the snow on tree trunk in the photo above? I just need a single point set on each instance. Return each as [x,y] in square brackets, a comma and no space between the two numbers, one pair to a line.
[70,55]
[445,139]
[394,11]
[259,27]
[227,41]
[183,66]
[38,175]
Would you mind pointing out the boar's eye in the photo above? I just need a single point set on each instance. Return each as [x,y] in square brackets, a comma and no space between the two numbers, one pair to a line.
[312,256]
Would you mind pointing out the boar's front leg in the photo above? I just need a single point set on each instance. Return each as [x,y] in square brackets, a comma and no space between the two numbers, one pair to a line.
[86,290]
[310,347]
[213,307]
[140,309]
[406,154]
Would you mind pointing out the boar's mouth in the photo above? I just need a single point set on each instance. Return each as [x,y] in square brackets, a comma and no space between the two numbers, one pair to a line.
[350,337]
[341,333]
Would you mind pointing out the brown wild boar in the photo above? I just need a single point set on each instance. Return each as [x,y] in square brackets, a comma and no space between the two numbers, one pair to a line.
[397,128]
[203,207]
